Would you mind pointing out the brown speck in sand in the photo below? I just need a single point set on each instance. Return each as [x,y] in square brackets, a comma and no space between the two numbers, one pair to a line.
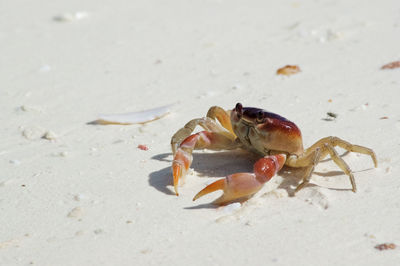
[385,246]
[143,147]
[76,212]
[383,117]
[288,70]
[392,65]
[145,251]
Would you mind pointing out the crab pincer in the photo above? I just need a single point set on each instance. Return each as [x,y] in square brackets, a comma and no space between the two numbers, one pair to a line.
[243,185]
[201,140]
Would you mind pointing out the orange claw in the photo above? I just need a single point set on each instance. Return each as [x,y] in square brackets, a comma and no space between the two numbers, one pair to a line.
[176,171]
[180,166]
[235,186]
[183,156]
[217,185]
[243,185]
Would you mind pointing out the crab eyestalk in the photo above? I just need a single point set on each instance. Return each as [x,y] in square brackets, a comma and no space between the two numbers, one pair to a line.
[239,110]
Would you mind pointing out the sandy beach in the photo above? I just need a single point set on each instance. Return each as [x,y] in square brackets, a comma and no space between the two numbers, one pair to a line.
[76,193]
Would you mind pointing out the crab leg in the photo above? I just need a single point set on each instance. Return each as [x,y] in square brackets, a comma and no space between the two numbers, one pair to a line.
[313,155]
[242,185]
[208,123]
[201,140]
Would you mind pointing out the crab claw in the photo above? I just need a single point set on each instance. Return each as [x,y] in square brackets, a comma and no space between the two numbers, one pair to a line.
[235,186]
[201,140]
[180,166]
[242,185]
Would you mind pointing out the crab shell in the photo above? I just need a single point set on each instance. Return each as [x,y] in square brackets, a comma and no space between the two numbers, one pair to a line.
[266,132]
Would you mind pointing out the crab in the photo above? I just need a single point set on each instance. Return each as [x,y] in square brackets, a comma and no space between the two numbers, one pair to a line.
[276,139]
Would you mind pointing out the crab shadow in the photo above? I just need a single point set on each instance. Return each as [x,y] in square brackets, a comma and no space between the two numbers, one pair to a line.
[221,164]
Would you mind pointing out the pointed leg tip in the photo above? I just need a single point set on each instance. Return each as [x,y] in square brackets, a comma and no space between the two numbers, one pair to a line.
[198,195]
[176,186]
[374,159]
[217,185]
[176,173]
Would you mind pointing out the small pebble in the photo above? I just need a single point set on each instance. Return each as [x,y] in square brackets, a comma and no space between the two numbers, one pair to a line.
[143,147]
[331,114]
[70,17]
[118,141]
[49,135]
[79,197]
[369,236]
[333,35]
[60,154]
[249,223]
[33,132]
[98,231]
[237,87]
[29,108]
[76,212]
[392,65]
[15,162]
[288,70]
[145,251]
[385,246]
[79,233]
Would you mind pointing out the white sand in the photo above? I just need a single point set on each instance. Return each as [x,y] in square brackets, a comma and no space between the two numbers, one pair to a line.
[86,195]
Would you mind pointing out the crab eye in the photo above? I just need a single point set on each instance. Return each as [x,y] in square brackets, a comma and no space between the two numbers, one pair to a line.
[260,117]
[239,110]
